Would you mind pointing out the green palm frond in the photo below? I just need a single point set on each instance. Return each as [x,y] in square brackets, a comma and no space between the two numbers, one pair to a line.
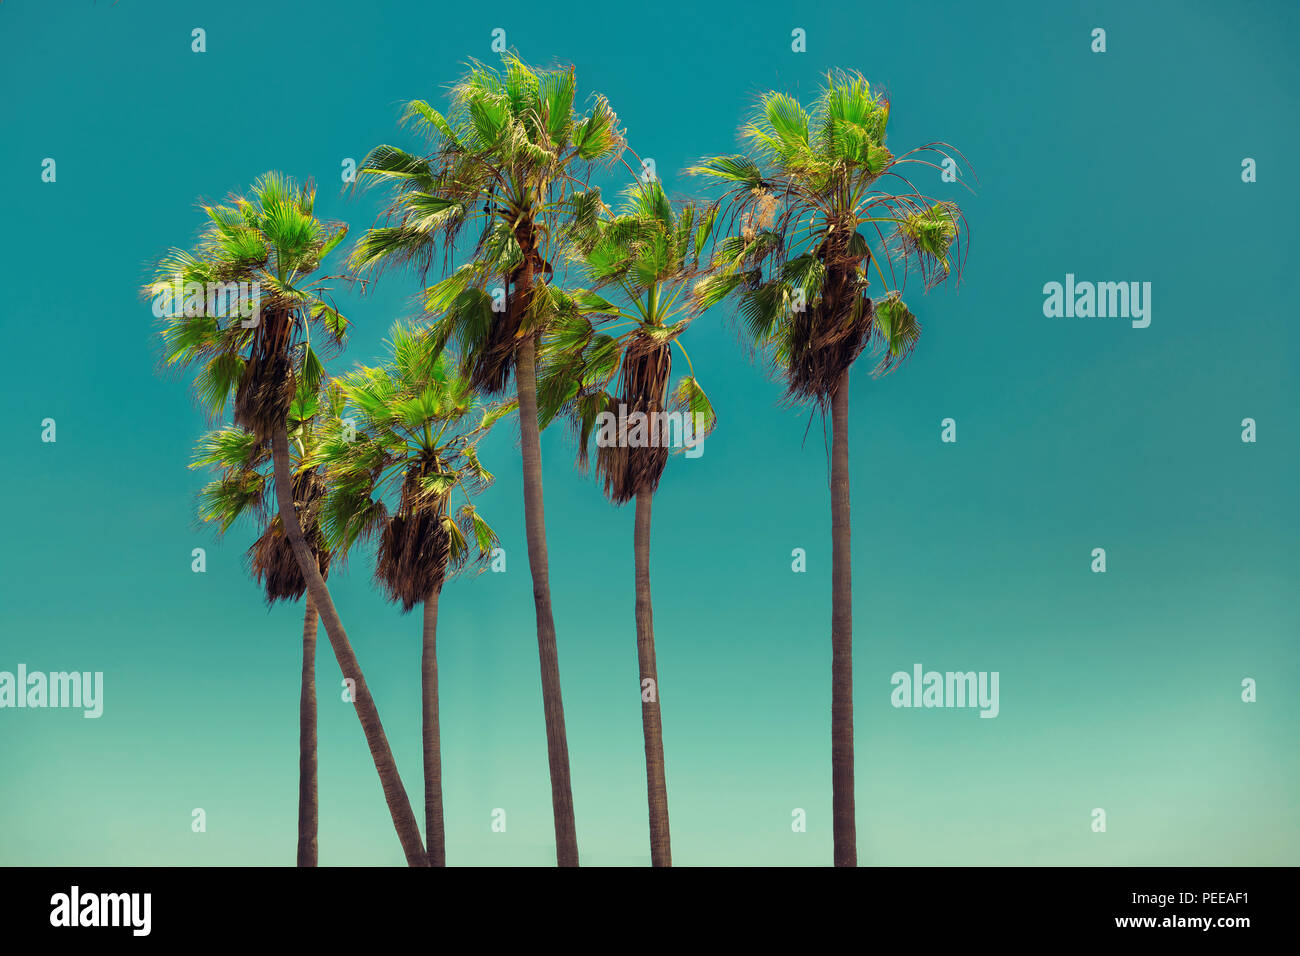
[690,399]
[734,169]
[898,331]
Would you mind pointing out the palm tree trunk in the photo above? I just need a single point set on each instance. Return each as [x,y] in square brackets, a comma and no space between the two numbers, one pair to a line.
[399,804]
[308,809]
[557,745]
[433,829]
[661,853]
[842,814]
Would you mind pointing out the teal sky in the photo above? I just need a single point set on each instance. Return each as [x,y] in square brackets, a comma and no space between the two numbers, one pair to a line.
[1119,690]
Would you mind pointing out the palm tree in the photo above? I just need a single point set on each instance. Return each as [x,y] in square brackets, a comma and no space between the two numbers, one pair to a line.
[811,195]
[415,440]
[649,253]
[274,242]
[501,165]
[241,488]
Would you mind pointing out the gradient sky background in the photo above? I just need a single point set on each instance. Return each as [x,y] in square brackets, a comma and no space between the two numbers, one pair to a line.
[1119,691]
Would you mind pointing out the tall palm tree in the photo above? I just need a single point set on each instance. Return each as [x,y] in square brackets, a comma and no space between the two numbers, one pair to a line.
[241,488]
[500,167]
[273,239]
[415,439]
[813,198]
[619,366]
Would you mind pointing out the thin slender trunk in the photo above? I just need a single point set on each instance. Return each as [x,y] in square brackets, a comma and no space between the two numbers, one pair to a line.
[557,746]
[661,853]
[842,815]
[308,809]
[399,804]
[433,830]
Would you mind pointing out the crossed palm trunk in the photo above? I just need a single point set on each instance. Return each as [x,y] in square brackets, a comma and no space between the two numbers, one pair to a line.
[399,804]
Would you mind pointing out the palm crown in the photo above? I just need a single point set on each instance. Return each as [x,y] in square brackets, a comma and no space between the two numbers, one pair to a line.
[814,218]
[503,162]
[271,238]
[243,487]
[418,426]
[601,354]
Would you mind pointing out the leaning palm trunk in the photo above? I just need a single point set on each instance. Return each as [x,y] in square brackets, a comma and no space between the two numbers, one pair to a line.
[433,827]
[399,805]
[661,853]
[308,809]
[557,746]
[842,815]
